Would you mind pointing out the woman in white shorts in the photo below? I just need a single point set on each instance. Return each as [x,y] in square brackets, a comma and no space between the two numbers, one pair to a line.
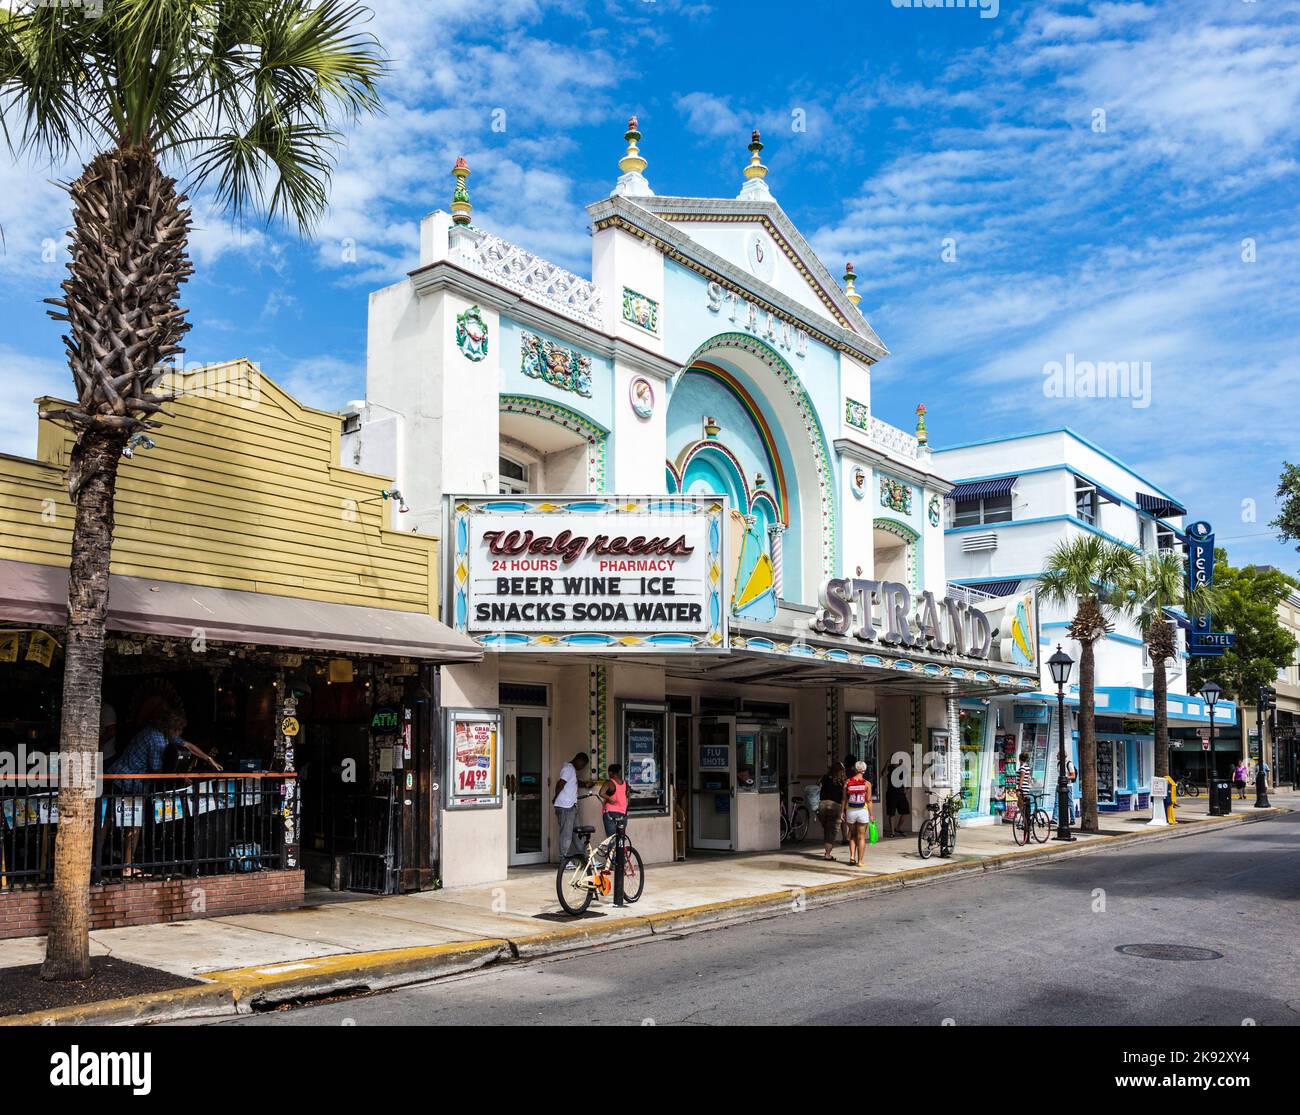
[857,813]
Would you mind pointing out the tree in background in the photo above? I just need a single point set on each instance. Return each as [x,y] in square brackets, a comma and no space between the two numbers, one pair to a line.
[1156,583]
[1246,601]
[1081,574]
[242,94]
[1287,523]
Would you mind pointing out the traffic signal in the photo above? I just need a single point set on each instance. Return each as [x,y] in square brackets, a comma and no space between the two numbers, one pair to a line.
[1267,698]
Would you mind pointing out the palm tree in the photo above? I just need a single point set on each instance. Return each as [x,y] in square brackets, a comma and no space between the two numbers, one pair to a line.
[245,95]
[1081,573]
[1154,584]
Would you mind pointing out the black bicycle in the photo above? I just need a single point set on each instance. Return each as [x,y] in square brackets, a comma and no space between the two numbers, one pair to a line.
[939,829]
[1186,788]
[1034,823]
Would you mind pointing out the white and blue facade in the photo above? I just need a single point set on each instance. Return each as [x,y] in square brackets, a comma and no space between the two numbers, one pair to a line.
[710,354]
[1012,502]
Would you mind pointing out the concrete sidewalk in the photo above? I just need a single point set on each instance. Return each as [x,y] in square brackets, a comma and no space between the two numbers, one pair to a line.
[350,944]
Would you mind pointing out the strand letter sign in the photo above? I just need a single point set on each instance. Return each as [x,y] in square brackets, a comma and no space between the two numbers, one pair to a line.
[626,573]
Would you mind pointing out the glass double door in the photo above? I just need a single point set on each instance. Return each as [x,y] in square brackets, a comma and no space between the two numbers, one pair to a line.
[527,785]
[731,758]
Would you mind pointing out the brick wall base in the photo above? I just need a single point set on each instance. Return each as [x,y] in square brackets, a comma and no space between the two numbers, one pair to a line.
[25,913]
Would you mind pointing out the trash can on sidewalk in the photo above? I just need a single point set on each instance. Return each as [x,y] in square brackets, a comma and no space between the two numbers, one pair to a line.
[1220,797]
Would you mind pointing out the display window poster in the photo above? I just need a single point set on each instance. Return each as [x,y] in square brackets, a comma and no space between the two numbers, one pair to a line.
[474,759]
[641,765]
[715,756]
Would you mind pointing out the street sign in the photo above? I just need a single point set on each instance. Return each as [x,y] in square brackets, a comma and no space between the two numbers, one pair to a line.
[1205,745]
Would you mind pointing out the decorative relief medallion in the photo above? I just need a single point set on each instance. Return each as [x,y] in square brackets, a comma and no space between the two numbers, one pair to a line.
[895,495]
[560,367]
[472,334]
[642,396]
[857,414]
[933,513]
[640,311]
[859,482]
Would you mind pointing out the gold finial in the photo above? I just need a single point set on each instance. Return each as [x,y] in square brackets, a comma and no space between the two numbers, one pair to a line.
[460,204]
[632,162]
[756,169]
[851,291]
[922,435]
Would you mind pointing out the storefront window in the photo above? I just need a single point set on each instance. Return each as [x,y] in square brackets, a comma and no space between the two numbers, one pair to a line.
[746,759]
[769,758]
[645,757]
[864,744]
[974,724]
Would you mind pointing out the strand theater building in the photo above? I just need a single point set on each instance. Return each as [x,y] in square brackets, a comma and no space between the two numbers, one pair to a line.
[671,520]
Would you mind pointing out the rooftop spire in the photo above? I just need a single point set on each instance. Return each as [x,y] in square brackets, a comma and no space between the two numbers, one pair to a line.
[851,291]
[922,435]
[755,186]
[632,182]
[460,203]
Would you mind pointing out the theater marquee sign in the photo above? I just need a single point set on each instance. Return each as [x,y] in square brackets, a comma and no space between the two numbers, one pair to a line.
[626,573]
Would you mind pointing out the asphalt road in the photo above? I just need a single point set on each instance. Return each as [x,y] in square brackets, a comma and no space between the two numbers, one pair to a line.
[1032,946]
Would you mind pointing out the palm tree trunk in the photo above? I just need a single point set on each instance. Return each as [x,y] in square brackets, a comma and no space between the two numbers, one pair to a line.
[95,460]
[1087,736]
[1160,716]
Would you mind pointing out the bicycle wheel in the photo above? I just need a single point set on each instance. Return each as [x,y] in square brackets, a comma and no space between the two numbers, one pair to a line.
[925,840]
[799,823]
[571,886]
[1042,826]
[633,874]
[1020,830]
[785,827]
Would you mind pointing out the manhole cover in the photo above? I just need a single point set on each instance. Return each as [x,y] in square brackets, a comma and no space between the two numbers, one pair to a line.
[1169,952]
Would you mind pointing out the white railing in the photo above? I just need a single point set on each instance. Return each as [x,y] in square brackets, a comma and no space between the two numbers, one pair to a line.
[892,438]
[538,279]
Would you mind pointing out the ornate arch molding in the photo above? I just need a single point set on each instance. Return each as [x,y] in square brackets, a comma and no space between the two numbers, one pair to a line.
[594,434]
[911,543]
[698,448]
[812,426]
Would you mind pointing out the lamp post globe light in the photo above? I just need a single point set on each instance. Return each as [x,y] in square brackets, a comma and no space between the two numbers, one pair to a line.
[1061,664]
[1210,693]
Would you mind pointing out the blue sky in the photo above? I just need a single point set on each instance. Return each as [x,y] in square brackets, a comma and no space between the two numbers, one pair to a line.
[1109,182]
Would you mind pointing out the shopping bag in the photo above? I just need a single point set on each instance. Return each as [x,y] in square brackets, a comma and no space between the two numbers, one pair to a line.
[873,833]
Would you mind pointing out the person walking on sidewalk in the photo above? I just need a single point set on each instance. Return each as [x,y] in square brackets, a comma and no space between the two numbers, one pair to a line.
[857,812]
[613,796]
[831,809]
[897,807]
[1239,778]
[565,800]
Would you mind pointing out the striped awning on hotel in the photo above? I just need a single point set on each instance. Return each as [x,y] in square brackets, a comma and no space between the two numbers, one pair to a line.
[1159,506]
[983,489]
[994,588]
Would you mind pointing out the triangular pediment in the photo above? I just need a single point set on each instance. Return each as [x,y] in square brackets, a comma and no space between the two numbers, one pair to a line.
[760,240]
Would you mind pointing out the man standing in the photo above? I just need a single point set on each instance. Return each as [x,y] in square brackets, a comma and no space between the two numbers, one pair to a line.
[566,800]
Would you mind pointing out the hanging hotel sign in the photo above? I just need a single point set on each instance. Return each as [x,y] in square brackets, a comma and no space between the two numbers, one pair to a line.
[1202,640]
[624,573]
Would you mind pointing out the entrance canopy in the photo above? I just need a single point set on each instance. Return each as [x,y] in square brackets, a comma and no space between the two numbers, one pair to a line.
[37,594]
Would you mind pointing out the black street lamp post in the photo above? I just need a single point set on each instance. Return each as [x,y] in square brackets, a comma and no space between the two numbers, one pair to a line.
[1210,695]
[1266,703]
[1061,664]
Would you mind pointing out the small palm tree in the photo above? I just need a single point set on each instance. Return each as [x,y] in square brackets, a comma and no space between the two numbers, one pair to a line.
[1081,573]
[242,94]
[1155,584]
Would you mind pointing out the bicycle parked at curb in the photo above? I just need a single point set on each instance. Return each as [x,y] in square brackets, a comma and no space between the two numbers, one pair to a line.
[1034,823]
[1186,788]
[794,821]
[939,829]
[583,875]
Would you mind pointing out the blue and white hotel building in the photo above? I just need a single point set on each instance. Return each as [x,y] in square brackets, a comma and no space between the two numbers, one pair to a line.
[672,520]
[1013,501]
